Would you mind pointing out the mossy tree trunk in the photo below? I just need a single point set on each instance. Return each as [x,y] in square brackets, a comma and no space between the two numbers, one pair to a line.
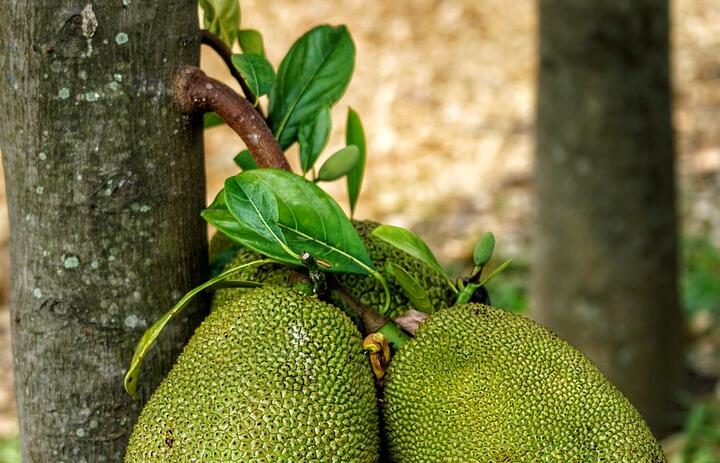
[605,275]
[105,183]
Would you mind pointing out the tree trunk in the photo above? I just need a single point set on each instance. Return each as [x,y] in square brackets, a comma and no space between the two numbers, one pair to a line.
[605,266]
[105,183]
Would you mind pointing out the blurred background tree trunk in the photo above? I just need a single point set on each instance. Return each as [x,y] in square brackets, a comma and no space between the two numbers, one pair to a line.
[105,184]
[605,264]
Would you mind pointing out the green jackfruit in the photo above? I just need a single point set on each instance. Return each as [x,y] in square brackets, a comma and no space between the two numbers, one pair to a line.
[270,376]
[479,384]
[365,289]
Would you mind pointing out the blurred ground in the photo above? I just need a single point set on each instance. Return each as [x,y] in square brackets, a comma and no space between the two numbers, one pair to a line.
[446,90]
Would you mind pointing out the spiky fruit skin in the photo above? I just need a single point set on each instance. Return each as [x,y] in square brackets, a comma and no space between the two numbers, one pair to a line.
[367,290]
[270,376]
[479,384]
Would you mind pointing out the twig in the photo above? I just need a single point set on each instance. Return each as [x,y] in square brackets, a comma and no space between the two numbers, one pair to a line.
[212,41]
[194,91]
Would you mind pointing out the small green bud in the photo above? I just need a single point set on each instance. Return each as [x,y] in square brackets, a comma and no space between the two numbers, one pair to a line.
[484,249]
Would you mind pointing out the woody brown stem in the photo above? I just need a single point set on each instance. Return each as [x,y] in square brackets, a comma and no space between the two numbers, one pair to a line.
[212,41]
[194,91]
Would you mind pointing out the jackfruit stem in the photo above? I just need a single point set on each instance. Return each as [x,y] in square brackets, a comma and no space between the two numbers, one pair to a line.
[194,91]
[373,322]
[394,334]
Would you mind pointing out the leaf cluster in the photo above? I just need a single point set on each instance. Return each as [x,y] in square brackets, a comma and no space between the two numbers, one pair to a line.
[287,217]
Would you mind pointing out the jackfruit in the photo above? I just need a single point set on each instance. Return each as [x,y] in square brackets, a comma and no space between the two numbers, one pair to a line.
[479,384]
[366,290]
[270,376]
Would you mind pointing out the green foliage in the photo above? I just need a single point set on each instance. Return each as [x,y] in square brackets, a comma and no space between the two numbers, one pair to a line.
[314,74]
[251,42]
[339,164]
[511,291]
[245,160]
[700,275]
[10,450]
[247,212]
[701,434]
[283,215]
[151,334]
[222,18]
[257,72]
[409,242]
[313,137]
[211,120]
[412,289]
[355,135]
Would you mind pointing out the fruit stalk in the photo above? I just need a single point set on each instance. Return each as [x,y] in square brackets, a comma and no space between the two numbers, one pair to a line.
[194,91]
[373,321]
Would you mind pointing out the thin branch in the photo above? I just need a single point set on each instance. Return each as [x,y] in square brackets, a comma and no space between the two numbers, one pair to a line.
[372,320]
[194,91]
[211,40]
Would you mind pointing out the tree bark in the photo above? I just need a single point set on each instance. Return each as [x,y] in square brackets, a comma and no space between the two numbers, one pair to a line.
[105,182]
[605,264]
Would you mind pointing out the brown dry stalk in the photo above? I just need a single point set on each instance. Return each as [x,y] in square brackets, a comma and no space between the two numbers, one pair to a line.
[194,91]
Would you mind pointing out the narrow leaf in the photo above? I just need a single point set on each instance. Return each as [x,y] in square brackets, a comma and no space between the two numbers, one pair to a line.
[313,137]
[257,72]
[355,135]
[496,272]
[312,221]
[412,244]
[222,18]
[315,73]
[255,209]
[484,249]
[245,160]
[251,42]
[211,120]
[151,334]
[411,288]
[339,164]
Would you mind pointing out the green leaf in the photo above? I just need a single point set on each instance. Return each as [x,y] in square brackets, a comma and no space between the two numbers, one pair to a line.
[222,18]
[315,73]
[411,288]
[313,136]
[339,164]
[484,249]
[211,120]
[313,222]
[148,338]
[355,135]
[257,72]
[409,242]
[219,216]
[500,268]
[255,209]
[245,160]
[251,42]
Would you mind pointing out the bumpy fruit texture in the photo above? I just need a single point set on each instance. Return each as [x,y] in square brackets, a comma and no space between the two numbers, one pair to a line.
[366,289]
[479,384]
[271,376]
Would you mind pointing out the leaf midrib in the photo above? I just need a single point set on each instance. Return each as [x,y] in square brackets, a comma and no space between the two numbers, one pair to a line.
[283,123]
